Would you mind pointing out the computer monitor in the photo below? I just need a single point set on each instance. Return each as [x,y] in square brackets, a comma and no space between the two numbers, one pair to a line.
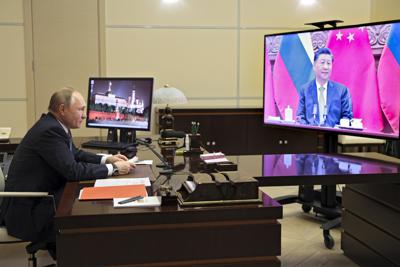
[120,103]
[361,64]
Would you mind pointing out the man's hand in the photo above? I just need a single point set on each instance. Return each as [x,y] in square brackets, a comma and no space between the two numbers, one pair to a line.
[115,158]
[124,167]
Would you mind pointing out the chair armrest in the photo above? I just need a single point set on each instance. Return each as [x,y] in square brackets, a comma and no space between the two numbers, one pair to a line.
[29,194]
[24,194]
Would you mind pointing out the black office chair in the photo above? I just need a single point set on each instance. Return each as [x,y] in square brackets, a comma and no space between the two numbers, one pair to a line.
[5,238]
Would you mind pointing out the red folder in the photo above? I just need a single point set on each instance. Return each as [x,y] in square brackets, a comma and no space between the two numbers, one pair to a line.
[110,192]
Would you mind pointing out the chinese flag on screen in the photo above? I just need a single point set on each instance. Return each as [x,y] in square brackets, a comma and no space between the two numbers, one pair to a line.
[354,66]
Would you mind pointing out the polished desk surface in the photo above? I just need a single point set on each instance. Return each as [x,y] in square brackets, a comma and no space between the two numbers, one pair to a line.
[319,168]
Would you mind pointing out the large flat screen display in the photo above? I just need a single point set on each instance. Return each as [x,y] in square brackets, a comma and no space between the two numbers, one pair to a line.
[120,103]
[344,80]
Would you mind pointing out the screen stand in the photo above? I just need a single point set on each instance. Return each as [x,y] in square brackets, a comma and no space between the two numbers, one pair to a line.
[329,198]
[112,135]
[328,192]
[127,136]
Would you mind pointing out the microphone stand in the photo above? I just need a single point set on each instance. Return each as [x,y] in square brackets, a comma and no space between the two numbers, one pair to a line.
[315,114]
[324,115]
[165,188]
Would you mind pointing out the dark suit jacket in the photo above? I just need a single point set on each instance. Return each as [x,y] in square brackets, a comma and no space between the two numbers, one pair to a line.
[44,161]
[338,104]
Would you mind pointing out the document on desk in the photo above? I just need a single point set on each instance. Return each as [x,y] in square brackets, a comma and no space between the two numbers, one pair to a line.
[153,201]
[122,181]
[110,192]
[135,160]
[214,157]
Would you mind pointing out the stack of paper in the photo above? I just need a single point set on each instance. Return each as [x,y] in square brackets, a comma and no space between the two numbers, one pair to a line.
[135,160]
[122,181]
[214,157]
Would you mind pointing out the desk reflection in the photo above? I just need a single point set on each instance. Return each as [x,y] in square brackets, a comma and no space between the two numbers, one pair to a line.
[321,164]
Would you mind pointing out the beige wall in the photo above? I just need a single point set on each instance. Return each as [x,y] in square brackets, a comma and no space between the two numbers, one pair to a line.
[13,99]
[211,50]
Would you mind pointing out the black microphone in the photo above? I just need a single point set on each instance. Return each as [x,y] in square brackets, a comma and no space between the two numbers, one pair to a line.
[167,168]
[172,134]
[314,113]
[325,114]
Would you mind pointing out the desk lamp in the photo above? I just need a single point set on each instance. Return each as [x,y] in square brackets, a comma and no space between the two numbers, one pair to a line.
[168,95]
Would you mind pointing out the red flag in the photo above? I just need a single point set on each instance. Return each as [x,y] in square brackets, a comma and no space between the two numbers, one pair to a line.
[389,78]
[354,66]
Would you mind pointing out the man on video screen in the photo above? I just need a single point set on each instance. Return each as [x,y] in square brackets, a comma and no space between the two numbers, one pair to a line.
[321,101]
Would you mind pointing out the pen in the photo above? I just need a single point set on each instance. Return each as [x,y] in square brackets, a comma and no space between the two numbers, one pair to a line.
[130,199]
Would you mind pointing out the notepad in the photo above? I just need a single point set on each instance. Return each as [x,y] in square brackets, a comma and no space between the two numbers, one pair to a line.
[214,157]
[153,201]
[110,192]
[122,181]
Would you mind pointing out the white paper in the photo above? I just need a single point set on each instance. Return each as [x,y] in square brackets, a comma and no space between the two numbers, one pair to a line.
[133,160]
[122,181]
[216,160]
[153,201]
[144,162]
[212,155]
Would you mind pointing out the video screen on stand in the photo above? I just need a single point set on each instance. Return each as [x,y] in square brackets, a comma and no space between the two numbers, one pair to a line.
[344,80]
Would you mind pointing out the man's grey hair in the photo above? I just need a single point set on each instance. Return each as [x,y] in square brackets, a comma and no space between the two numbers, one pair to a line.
[63,96]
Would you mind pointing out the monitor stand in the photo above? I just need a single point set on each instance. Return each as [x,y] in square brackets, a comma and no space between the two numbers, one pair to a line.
[126,136]
[112,135]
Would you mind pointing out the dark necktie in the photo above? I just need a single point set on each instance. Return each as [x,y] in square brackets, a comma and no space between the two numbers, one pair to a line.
[69,140]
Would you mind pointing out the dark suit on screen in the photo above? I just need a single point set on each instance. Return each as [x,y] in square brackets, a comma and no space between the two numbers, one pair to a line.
[338,104]
[44,161]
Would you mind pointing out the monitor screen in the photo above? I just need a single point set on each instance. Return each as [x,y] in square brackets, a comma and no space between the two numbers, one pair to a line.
[120,103]
[344,80]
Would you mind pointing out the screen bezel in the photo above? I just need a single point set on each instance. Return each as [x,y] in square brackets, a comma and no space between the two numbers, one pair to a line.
[318,128]
[150,79]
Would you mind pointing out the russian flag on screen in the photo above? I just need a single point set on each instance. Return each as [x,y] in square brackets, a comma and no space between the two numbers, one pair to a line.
[389,78]
[292,69]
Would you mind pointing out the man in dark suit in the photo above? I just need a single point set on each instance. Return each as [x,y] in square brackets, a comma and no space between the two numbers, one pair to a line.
[321,101]
[45,160]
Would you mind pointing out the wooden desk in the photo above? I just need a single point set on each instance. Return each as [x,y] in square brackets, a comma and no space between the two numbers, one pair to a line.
[96,234]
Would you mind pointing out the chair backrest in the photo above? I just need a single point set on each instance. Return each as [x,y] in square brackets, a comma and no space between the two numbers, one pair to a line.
[2,183]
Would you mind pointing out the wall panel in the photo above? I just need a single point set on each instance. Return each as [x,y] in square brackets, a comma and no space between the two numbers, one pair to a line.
[200,62]
[12,68]
[291,15]
[187,13]
[66,49]
[11,11]
[13,114]
[385,10]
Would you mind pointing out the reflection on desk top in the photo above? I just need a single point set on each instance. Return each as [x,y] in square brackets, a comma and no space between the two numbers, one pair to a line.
[323,164]
[328,169]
